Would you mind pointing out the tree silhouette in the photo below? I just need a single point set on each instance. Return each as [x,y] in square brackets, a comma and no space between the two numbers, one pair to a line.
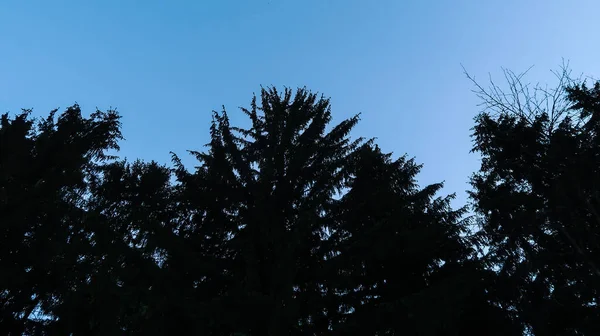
[318,233]
[286,227]
[267,191]
[404,263]
[536,195]
[44,171]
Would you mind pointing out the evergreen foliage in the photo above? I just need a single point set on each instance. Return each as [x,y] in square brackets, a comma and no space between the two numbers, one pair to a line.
[537,195]
[291,227]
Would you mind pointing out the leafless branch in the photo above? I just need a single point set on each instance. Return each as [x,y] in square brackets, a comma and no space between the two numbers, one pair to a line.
[524,100]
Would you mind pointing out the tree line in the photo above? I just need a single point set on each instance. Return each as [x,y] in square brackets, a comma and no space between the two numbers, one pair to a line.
[291,227]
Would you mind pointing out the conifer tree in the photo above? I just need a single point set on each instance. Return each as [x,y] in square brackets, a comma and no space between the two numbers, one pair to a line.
[286,227]
[536,195]
[44,173]
[271,186]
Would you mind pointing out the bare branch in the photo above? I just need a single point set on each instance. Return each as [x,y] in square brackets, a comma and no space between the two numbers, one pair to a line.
[524,100]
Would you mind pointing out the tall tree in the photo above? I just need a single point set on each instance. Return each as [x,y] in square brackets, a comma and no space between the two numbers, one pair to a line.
[84,237]
[319,234]
[129,220]
[270,188]
[44,169]
[402,261]
[536,195]
[286,227]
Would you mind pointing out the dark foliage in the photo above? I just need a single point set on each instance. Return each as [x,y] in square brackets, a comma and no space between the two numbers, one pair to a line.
[45,171]
[537,195]
[290,227]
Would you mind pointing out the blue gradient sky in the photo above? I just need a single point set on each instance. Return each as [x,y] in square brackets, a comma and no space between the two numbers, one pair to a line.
[166,64]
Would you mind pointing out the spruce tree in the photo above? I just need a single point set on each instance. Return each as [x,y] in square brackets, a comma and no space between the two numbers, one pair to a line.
[44,172]
[536,196]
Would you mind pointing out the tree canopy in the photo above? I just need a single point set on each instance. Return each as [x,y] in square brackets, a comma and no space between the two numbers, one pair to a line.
[537,195]
[290,226]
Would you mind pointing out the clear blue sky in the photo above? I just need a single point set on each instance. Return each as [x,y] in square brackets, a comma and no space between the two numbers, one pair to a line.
[166,64]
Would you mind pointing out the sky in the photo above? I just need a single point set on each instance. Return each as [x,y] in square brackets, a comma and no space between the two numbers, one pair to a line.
[165,65]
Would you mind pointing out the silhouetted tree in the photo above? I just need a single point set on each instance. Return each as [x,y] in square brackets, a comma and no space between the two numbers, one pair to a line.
[321,234]
[265,194]
[402,262]
[537,198]
[44,171]
[125,287]
[286,227]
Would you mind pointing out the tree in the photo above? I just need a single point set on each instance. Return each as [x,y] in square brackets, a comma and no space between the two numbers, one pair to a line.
[129,220]
[402,261]
[270,188]
[43,180]
[536,198]
[286,227]
[84,237]
[319,234]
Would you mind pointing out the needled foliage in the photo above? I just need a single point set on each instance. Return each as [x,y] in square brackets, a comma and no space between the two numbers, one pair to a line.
[44,176]
[537,197]
[285,227]
[266,193]
[319,234]
[402,264]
